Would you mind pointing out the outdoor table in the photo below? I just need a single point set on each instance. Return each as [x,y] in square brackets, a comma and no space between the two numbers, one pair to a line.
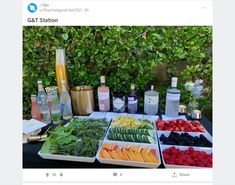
[31,159]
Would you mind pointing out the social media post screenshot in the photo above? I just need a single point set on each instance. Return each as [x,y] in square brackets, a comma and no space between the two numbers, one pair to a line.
[117,91]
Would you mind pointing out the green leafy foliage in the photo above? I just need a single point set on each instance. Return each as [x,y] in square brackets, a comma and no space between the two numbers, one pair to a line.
[129,54]
[80,138]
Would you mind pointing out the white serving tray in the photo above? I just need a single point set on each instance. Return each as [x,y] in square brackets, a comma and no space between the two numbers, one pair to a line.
[106,136]
[66,157]
[136,116]
[108,117]
[163,147]
[73,158]
[164,118]
[167,133]
[98,114]
[148,117]
[131,163]
[152,118]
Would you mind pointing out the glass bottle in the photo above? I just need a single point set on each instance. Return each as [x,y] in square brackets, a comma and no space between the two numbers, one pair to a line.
[132,100]
[151,101]
[172,99]
[103,96]
[61,70]
[46,117]
[118,100]
[55,107]
[49,98]
[41,92]
[65,101]
[35,112]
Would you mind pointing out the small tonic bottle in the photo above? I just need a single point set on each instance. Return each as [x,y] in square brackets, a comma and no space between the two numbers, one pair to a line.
[65,101]
[35,111]
[45,110]
[41,92]
[55,107]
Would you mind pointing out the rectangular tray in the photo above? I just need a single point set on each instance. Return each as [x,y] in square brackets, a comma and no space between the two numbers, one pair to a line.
[179,117]
[131,163]
[148,117]
[164,117]
[66,157]
[167,133]
[163,147]
[74,158]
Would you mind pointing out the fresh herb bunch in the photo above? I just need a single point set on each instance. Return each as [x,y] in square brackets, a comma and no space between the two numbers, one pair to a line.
[80,138]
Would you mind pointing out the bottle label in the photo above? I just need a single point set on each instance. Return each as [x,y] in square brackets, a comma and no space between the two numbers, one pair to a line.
[62,107]
[101,107]
[103,95]
[118,103]
[173,97]
[131,100]
[151,100]
[66,107]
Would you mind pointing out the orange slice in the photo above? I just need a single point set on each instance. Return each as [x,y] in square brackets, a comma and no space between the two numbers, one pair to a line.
[132,155]
[100,154]
[115,155]
[120,154]
[104,145]
[152,151]
[113,146]
[123,150]
[138,156]
[106,154]
[144,154]
[152,158]
[126,153]
[127,147]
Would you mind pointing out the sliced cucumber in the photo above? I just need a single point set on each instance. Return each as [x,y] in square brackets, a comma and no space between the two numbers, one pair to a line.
[132,137]
[151,139]
[150,133]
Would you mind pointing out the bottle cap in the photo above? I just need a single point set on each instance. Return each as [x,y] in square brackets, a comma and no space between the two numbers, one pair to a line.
[132,86]
[152,87]
[39,81]
[174,81]
[102,79]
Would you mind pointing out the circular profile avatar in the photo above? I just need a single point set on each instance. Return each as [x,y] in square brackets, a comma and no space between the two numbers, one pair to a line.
[32,7]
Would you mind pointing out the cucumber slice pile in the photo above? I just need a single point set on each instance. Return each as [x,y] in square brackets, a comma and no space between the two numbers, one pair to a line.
[119,130]
[131,137]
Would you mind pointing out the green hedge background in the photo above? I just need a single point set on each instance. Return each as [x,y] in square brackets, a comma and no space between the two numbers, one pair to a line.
[143,55]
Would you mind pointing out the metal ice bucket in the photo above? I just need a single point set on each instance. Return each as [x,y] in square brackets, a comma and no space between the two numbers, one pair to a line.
[82,99]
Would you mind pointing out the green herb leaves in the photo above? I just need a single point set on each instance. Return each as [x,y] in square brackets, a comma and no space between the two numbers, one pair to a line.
[80,138]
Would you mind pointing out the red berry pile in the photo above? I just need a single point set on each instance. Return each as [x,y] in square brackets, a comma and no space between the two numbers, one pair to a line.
[188,157]
[180,125]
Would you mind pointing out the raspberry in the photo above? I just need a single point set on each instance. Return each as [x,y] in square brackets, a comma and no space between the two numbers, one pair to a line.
[188,157]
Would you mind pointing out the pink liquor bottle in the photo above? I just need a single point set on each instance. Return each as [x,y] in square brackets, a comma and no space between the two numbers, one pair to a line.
[103,96]
[35,112]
